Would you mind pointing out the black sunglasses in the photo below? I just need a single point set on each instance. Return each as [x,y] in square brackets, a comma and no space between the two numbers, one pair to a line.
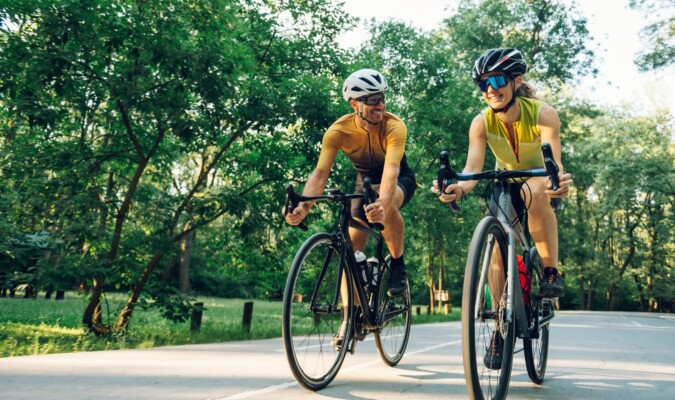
[373,100]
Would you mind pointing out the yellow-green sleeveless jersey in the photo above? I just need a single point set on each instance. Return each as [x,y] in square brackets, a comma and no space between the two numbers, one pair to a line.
[368,151]
[524,152]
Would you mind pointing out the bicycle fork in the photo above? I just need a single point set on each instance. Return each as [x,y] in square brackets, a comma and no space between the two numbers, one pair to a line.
[514,301]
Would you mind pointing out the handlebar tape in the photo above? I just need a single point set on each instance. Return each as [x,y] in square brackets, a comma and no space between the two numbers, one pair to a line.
[291,204]
[552,169]
[370,197]
[445,175]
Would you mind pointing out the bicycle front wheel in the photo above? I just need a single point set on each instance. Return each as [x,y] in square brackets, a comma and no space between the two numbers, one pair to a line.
[392,339]
[483,314]
[313,312]
[536,349]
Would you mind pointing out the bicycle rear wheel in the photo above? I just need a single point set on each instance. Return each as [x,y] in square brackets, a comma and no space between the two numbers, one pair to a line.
[536,349]
[313,312]
[483,315]
[392,339]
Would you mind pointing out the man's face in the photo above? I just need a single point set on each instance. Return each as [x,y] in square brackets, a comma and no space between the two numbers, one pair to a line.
[372,106]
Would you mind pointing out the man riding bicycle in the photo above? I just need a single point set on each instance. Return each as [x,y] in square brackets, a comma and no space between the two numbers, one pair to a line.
[514,125]
[374,141]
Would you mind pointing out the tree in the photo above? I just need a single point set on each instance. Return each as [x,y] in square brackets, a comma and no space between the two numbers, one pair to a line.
[134,92]
[623,193]
[659,34]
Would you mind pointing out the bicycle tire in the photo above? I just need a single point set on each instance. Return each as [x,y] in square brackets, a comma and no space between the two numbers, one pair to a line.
[308,327]
[536,350]
[392,339]
[479,321]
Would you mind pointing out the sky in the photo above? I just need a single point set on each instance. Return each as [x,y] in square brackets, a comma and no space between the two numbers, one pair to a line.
[618,83]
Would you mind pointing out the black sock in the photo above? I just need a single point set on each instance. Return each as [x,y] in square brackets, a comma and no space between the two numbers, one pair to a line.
[397,262]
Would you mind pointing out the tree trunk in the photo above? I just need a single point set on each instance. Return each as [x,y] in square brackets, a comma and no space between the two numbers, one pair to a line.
[92,314]
[92,318]
[611,297]
[440,282]
[184,275]
[429,275]
[589,295]
[638,285]
[122,322]
[581,292]
[431,284]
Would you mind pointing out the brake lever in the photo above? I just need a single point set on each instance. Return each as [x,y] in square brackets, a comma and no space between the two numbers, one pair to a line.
[553,170]
[291,203]
[445,176]
[370,197]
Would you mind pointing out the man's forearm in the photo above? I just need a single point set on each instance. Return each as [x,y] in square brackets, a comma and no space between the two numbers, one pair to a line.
[315,184]
[388,185]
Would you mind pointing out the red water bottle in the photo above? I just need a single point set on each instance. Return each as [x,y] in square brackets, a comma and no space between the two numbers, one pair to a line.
[525,280]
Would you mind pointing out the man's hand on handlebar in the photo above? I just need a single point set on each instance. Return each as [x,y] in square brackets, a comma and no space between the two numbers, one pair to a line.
[298,214]
[565,182]
[374,212]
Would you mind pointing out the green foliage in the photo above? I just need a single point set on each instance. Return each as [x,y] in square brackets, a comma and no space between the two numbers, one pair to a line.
[551,35]
[127,125]
[172,305]
[659,35]
[153,119]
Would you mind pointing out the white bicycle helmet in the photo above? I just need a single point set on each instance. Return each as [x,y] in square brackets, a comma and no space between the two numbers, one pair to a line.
[362,83]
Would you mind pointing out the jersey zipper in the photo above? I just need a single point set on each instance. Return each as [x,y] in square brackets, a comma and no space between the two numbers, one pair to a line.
[370,150]
[513,141]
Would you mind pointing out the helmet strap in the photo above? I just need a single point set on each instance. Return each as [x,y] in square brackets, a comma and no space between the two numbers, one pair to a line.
[360,114]
[513,100]
[505,108]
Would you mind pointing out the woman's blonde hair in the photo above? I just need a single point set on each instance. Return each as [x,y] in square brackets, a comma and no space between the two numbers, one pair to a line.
[526,90]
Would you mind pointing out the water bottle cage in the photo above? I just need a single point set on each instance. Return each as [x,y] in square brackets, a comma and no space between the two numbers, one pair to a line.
[373,272]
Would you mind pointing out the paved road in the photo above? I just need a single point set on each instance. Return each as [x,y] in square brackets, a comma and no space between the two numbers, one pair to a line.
[592,356]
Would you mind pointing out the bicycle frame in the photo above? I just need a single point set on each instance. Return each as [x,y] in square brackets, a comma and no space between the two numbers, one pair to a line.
[515,235]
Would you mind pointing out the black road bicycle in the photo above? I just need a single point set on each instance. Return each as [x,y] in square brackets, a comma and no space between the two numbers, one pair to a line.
[516,313]
[313,308]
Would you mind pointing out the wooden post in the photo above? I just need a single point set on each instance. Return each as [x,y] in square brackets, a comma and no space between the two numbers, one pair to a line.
[418,310]
[196,319]
[248,316]
[60,295]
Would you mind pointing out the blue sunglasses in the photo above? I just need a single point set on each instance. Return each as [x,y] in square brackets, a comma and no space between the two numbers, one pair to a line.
[496,81]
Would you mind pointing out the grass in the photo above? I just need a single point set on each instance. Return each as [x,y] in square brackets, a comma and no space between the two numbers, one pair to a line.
[41,326]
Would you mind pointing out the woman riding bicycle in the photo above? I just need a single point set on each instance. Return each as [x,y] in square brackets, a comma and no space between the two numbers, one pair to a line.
[514,125]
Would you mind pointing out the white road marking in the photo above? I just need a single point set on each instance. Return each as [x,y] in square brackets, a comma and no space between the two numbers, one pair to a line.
[257,392]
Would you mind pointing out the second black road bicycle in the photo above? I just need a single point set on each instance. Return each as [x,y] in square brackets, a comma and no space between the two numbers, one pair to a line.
[501,308]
